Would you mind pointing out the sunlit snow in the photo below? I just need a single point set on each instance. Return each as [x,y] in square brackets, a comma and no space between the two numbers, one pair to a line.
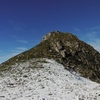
[45,80]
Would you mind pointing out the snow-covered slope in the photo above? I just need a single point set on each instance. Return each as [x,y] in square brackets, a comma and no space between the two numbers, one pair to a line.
[44,79]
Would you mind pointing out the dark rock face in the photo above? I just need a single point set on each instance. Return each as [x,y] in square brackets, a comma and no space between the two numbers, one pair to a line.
[67,49]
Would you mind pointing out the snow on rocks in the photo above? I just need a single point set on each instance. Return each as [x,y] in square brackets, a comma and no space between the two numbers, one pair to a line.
[45,79]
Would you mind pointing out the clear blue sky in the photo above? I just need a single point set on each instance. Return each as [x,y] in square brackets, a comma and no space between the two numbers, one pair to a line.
[24,22]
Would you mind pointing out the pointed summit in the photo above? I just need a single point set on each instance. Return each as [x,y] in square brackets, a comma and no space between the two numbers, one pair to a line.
[56,34]
[66,49]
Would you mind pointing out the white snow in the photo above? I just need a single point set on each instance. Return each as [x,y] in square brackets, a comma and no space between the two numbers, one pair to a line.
[34,80]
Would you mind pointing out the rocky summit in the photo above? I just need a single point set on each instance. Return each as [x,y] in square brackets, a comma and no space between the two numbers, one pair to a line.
[52,70]
[66,49]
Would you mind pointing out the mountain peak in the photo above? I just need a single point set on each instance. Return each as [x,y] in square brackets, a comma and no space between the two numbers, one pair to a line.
[66,49]
[47,36]
[57,35]
[58,59]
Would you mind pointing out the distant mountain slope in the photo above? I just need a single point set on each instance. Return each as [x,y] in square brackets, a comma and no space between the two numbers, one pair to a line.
[45,79]
[66,49]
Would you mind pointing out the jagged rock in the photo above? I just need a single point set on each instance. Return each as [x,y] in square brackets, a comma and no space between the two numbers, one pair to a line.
[58,46]
[63,53]
[46,37]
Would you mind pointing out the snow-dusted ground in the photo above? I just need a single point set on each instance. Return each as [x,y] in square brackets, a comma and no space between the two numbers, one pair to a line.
[45,80]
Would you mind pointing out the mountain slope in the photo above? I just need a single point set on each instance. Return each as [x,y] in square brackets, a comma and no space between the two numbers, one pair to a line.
[66,49]
[45,79]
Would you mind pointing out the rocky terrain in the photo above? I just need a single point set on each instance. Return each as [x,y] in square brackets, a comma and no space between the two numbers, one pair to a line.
[60,67]
[45,79]
[66,49]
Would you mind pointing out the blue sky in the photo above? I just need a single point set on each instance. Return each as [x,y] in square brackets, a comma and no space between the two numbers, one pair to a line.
[24,22]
